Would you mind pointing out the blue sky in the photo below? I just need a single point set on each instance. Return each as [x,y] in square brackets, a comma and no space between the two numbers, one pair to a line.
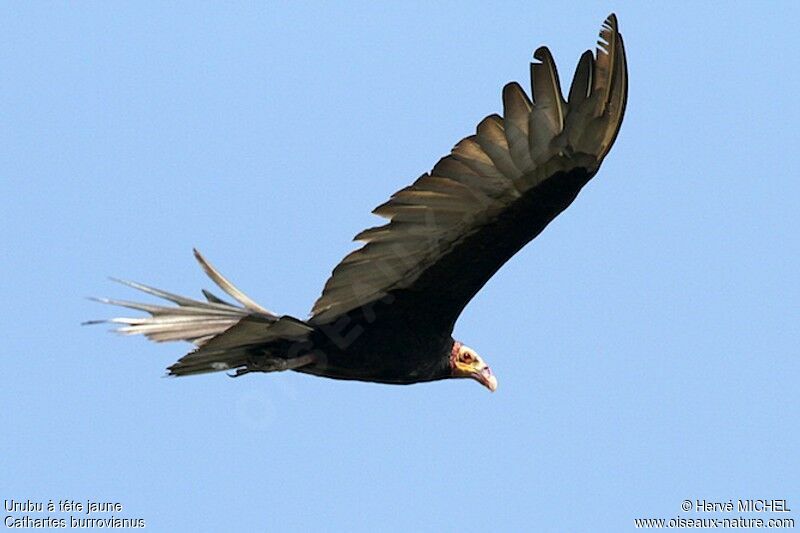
[646,343]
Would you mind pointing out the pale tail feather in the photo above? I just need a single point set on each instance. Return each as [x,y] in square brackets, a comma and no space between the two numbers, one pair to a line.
[227,336]
[191,320]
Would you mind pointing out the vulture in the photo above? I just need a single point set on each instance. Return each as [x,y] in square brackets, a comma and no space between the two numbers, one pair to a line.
[387,312]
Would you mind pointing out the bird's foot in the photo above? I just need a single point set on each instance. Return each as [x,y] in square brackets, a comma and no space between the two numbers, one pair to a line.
[273,364]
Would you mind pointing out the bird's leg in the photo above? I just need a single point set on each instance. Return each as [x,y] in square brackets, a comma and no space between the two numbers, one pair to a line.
[269,363]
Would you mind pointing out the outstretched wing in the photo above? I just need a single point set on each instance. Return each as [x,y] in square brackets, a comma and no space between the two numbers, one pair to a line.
[454,227]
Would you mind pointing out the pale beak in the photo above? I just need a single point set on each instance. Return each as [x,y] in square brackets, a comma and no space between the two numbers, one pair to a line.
[486,378]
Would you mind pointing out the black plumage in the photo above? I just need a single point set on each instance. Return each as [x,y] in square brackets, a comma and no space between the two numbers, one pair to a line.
[388,311]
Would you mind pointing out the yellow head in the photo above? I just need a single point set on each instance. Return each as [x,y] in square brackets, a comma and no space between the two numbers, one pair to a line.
[465,363]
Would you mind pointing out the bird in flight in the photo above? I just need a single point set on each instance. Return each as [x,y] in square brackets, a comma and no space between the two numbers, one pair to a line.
[388,310]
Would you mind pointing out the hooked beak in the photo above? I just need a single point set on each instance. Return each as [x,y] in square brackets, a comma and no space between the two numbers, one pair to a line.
[486,378]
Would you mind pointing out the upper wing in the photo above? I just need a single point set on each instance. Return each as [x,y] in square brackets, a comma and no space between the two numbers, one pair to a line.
[455,226]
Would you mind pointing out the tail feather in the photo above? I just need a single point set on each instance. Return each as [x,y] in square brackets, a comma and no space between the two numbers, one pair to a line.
[229,288]
[242,344]
[227,336]
[190,320]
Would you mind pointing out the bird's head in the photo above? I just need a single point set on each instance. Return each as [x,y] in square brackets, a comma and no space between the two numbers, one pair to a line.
[465,363]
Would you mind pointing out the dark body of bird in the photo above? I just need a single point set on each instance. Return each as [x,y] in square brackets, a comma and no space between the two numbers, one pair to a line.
[388,311]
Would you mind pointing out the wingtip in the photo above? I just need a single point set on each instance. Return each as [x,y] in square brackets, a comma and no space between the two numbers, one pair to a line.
[609,31]
[542,54]
[510,87]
